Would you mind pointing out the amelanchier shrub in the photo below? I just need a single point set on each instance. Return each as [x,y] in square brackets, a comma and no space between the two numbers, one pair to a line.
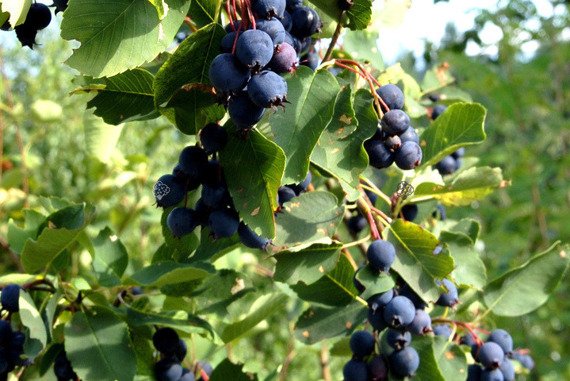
[331,169]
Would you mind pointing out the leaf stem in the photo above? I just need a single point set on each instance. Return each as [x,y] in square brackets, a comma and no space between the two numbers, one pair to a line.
[335,37]
[356,243]
[366,211]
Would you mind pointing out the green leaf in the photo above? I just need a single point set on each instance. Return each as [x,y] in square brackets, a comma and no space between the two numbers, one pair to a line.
[462,188]
[440,360]
[98,346]
[32,320]
[161,8]
[118,35]
[180,320]
[18,10]
[262,308]
[46,111]
[297,129]
[527,287]
[469,268]
[335,288]
[310,218]
[360,14]
[211,248]
[307,265]
[205,11]
[328,7]
[374,282]
[253,167]
[226,370]
[420,258]
[181,86]
[318,323]
[166,273]
[461,125]
[124,97]
[362,45]
[101,140]
[63,228]
[111,258]
[437,78]
[339,150]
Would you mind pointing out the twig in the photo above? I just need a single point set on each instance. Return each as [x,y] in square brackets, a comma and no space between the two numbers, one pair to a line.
[335,37]
[325,362]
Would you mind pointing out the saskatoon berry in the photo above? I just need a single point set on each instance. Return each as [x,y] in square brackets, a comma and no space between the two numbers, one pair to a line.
[286,21]
[508,370]
[181,350]
[6,26]
[284,58]
[227,74]
[62,368]
[213,138]
[60,5]
[378,155]
[292,4]
[232,27]
[227,43]
[410,135]
[371,196]
[166,340]
[377,369]
[213,175]
[395,122]
[407,291]
[398,339]
[181,221]
[250,239]
[187,376]
[393,142]
[39,16]
[355,370]
[449,298]
[381,255]
[459,153]
[474,372]
[26,35]
[224,223]
[409,212]
[362,344]
[491,355]
[345,5]
[311,59]
[267,89]
[167,370]
[285,194]
[205,366]
[214,197]
[268,8]
[399,312]
[5,331]
[392,96]
[421,323]
[306,22]
[409,156]
[447,165]
[193,161]
[274,28]
[303,185]
[254,48]
[443,330]
[357,223]
[502,337]
[526,361]
[376,320]
[437,111]
[243,112]
[378,301]
[404,363]
[492,375]
[10,298]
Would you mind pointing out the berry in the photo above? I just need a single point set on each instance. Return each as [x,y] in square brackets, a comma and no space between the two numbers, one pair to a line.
[227,74]
[398,339]
[392,96]
[443,330]
[274,28]
[26,35]
[393,143]
[39,16]
[268,8]
[355,370]
[407,291]
[311,59]
[303,185]
[205,366]
[421,323]
[187,376]
[395,122]
[306,22]
[60,5]
[378,301]
[6,26]
[447,165]
[166,340]
[284,58]
[437,111]
[10,298]
[449,298]
[474,372]
[377,369]
[224,223]
[267,89]
[410,135]
[168,191]
[227,43]
[502,337]
[409,212]
[409,156]
[193,161]
[362,344]
[404,363]
[357,223]
[381,255]
[286,21]
[254,49]
[459,153]
[213,138]
[376,320]
[181,350]
[167,370]
[292,4]
[243,112]
[62,368]
[214,197]
[492,375]
[508,370]
[250,239]
[526,361]
[399,312]
[285,194]
[491,355]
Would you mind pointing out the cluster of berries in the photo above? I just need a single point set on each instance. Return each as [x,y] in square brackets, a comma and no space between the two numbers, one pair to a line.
[395,139]
[255,52]
[215,207]
[402,312]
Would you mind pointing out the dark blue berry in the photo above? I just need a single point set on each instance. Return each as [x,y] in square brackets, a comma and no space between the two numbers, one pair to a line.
[399,312]
[443,330]
[377,369]
[227,74]
[398,339]
[491,355]
[502,337]
[421,323]
[395,122]
[362,344]
[243,112]
[213,138]
[181,221]
[381,255]
[305,22]
[166,340]
[492,375]
[250,239]
[224,223]
[284,58]
[508,370]
[404,363]
[392,96]
[355,370]
[274,28]
[168,370]
[437,111]
[410,135]
[254,48]
[450,297]
[10,298]
[268,8]
[408,156]
[447,165]
[409,212]
[267,89]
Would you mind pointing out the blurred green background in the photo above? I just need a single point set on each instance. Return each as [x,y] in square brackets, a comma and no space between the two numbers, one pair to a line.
[51,146]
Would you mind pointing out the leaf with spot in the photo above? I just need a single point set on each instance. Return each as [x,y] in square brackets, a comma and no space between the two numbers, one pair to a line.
[307,265]
[110,259]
